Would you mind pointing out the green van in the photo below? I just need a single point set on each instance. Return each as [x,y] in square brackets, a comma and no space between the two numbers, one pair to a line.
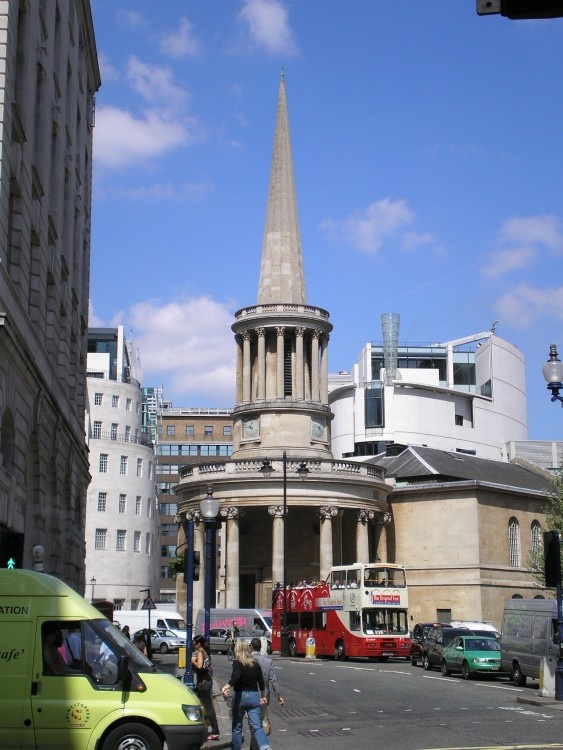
[71,679]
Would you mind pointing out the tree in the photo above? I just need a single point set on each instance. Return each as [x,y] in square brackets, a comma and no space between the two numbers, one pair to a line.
[553,522]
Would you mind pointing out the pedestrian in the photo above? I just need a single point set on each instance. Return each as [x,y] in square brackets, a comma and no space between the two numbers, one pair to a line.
[270,679]
[140,643]
[201,663]
[126,632]
[247,684]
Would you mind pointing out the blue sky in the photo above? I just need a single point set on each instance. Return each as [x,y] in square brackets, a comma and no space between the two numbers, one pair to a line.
[428,155]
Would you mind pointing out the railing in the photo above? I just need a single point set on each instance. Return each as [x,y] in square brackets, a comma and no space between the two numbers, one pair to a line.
[314,466]
[122,438]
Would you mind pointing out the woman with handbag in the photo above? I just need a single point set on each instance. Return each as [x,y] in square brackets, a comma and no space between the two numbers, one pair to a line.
[247,684]
[201,663]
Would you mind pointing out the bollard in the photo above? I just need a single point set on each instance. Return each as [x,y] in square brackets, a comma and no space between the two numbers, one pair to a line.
[310,649]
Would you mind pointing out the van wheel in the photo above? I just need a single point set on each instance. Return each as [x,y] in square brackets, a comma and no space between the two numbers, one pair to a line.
[164,648]
[132,737]
[426,663]
[340,651]
[292,648]
[518,678]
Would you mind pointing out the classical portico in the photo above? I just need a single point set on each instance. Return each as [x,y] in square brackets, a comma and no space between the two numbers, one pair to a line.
[338,514]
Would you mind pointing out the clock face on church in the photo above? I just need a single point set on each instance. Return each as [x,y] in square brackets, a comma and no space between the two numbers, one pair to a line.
[250,427]
[318,428]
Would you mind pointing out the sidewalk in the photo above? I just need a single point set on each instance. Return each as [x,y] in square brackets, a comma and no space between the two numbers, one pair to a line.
[540,700]
[223,720]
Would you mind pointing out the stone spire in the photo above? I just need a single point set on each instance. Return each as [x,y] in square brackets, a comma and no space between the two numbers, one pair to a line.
[281,272]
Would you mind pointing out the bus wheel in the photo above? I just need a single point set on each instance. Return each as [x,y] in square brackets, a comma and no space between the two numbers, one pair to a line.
[518,678]
[340,651]
[292,648]
[132,735]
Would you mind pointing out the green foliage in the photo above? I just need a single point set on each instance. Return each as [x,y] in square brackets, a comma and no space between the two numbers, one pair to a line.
[176,565]
[553,522]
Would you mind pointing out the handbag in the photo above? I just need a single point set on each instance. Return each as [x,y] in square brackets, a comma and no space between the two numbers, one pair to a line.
[266,724]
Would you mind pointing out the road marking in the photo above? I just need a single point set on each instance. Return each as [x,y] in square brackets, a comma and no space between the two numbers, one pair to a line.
[535,746]
[357,691]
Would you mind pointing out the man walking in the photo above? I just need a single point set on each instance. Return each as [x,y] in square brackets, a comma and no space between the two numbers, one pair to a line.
[270,678]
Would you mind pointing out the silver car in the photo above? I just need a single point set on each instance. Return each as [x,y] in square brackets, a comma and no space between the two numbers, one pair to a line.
[164,640]
[220,639]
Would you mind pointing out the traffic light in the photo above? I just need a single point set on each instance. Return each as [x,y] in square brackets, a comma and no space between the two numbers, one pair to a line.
[197,566]
[552,558]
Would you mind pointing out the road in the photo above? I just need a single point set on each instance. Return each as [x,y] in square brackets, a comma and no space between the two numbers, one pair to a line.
[394,706]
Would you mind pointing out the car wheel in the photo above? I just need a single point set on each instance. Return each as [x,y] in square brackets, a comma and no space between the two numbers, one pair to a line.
[445,671]
[518,678]
[164,648]
[414,661]
[340,651]
[426,663]
[132,735]
[292,648]
[465,671]
[269,648]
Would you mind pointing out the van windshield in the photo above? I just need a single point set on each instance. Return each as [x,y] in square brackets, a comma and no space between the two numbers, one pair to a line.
[176,624]
[116,636]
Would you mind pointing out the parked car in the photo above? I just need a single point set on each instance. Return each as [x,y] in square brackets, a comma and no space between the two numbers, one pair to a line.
[471,655]
[219,639]
[418,635]
[163,640]
[438,637]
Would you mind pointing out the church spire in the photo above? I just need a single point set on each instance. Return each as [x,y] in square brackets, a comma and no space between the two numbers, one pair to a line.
[282,278]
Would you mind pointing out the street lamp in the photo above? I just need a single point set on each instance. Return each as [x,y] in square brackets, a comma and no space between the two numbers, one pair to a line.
[302,471]
[93,584]
[209,508]
[187,522]
[553,373]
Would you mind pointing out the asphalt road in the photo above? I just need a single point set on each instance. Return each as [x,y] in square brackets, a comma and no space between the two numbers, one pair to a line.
[394,706]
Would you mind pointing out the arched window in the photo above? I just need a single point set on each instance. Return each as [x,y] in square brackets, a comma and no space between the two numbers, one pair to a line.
[535,537]
[514,542]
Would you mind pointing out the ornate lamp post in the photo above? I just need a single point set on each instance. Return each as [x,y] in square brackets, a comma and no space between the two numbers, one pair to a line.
[93,584]
[209,508]
[553,373]
[302,471]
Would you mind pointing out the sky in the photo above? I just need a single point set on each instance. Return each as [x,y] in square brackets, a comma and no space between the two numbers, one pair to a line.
[428,157]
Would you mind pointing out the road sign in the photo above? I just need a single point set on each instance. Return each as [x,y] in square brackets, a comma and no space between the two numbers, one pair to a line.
[148,604]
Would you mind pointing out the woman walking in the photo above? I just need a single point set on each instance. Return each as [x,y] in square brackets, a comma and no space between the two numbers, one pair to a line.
[247,684]
[201,663]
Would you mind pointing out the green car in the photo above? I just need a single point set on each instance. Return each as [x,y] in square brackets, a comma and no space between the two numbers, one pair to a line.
[471,655]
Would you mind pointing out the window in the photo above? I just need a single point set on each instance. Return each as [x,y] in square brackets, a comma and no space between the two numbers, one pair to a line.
[114,428]
[128,434]
[208,430]
[120,538]
[168,509]
[514,542]
[190,432]
[97,431]
[149,507]
[150,470]
[123,465]
[115,401]
[138,505]
[100,538]
[103,467]
[459,420]
[170,429]
[535,537]
[227,430]
[139,467]
[128,404]
[148,543]
[98,399]
[102,501]
[122,503]
[137,541]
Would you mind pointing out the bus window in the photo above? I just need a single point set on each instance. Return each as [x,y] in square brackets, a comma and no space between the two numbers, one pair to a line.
[336,580]
[354,621]
[396,577]
[370,577]
[320,621]
[306,621]
[292,620]
[352,579]
[397,621]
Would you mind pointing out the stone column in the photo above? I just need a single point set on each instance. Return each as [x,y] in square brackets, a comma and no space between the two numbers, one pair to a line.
[246,366]
[277,544]
[326,514]
[232,515]
[239,367]
[382,521]
[299,371]
[315,383]
[324,370]
[280,332]
[261,392]
[363,517]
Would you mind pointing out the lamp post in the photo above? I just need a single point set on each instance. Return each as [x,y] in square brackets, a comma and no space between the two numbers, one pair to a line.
[302,471]
[553,373]
[93,584]
[187,523]
[209,508]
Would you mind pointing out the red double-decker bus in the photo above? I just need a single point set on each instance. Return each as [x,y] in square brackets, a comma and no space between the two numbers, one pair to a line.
[360,610]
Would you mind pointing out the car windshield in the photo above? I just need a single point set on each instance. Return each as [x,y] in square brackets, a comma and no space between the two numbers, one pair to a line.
[166,634]
[481,644]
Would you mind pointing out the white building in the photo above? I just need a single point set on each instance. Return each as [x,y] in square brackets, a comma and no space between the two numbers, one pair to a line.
[466,396]
[122,528]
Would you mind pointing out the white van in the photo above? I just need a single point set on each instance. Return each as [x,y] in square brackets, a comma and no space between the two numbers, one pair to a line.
[138,619]
[529,633]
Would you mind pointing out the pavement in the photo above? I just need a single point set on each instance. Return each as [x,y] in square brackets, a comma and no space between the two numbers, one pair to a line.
[223,720]
[540,700]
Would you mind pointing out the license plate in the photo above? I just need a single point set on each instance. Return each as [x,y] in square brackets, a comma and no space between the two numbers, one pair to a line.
[388,653]
[497,667]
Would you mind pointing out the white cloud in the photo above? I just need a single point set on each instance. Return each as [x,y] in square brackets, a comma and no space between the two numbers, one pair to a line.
[188,346]
[268,26]
[525,304]
[412,240]
[131,19]
[505,261]
[155,83]
[543,230]
[121,140]
[367,228]
[93,320]
[181,42]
